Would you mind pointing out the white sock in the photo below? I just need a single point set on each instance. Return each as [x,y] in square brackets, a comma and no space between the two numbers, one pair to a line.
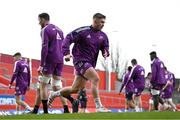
[28,107]
[97,102]
[136,108]
[172,105]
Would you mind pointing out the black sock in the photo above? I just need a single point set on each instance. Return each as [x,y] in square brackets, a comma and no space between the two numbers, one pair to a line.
[160,100]
[71,99]
[156,102]
[66,110]
[45,108]
[35,110]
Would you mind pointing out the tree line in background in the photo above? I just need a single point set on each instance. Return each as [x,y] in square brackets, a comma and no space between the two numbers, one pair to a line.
[117,62]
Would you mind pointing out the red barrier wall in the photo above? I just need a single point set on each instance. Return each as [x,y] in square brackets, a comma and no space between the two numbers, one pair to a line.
[68,72]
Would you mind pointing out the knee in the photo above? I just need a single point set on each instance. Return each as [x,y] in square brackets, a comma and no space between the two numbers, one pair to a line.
[95,81]
[44,80]
[56,85]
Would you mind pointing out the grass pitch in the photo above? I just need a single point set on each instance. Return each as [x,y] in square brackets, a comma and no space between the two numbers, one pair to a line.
[98,116]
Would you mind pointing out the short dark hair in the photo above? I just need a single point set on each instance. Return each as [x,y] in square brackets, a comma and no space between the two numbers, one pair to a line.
[99,16]
[153,53]
[129,68]
[134,61]
[44,16]
[149,73]
[17,54]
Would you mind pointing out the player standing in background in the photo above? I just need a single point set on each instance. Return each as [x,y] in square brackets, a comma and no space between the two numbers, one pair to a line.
[51,59]
[88,41]
[129,89]
[158,79]
[21,75]
[137,75]
[82,97]
[168,89]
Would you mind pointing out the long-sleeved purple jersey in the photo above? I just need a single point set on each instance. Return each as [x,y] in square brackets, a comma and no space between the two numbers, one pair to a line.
[170,77]
[158,72]
[129,86]
[137,75]
[52,38]
[21,73]
[87,43]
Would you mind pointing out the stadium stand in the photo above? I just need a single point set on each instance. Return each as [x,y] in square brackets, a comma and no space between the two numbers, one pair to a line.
[109,99]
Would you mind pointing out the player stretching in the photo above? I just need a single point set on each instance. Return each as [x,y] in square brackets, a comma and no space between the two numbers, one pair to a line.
[168,89]
[88,41]
[137,75]
[129,90]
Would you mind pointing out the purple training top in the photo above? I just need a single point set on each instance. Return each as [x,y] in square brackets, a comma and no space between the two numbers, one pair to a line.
[21,74]
[158,72]
[129,86]
[52,38]
[137,75]
[87,43]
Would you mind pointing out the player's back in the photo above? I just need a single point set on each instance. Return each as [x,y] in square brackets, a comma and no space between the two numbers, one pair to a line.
[158,72]
[130,86]
[23,75]
[139,73]
[55,39]
[167,93]
[170,77]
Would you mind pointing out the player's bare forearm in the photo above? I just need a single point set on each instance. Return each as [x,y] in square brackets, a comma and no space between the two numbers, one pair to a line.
[165,86]
[122,87]
[120,90]
[105,53]
[10,85]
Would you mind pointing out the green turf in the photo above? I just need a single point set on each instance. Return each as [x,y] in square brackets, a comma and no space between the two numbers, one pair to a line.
[99,116]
